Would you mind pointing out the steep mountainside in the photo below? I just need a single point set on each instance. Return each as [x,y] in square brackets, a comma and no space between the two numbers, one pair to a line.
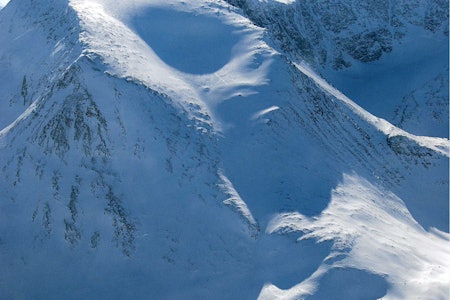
[167,150]
[377,52]
[339,33]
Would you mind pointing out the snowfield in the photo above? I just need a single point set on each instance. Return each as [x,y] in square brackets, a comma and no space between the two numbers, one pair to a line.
[3,3]
[172,150]
[372,225]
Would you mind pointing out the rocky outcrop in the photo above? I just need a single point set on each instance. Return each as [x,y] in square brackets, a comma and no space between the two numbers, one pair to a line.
[336,33]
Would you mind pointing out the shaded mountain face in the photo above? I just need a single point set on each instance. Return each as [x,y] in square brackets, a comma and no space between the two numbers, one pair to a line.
[166,150]
[340,33]
[379,53]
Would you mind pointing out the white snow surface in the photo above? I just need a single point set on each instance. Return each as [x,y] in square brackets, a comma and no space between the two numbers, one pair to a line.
[129,55]
[3,3]
[437,144]
[245,177]
[379,230]
[280,1]
[145,64]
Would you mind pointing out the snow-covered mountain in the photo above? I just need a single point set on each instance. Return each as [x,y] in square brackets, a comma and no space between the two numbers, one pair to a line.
[377,52]
[192,150]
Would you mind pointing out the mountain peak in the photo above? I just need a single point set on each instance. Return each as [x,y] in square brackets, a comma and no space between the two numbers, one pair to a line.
[167,149]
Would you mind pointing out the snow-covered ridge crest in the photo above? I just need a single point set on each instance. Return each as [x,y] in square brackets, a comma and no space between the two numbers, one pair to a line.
[3,3]
[354,44]
[440,145]
[109,32]
[125,54]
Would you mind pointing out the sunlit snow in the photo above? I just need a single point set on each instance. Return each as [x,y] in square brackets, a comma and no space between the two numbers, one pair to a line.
[3,3]
[166,150]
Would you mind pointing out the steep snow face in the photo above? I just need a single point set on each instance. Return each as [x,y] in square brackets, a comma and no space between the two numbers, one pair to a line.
[143,175]
[356,44]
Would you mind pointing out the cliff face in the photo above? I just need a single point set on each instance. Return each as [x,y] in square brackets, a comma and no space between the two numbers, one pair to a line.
[337,33]
[379,53]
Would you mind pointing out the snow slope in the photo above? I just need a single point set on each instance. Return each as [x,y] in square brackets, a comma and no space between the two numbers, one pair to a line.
[165,150]
[377,52]
[3,3]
